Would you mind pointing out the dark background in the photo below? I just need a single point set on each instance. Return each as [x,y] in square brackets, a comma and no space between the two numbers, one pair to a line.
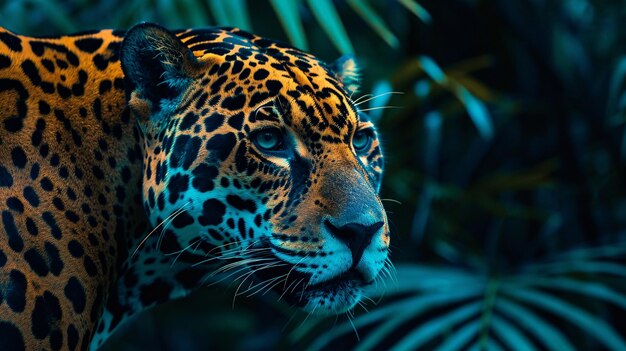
[505,170]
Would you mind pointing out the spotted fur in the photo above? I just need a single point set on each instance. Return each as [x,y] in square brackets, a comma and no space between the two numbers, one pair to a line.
[134,168]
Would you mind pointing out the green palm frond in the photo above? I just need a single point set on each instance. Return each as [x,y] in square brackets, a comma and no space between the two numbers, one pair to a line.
[430,80]
[455,309]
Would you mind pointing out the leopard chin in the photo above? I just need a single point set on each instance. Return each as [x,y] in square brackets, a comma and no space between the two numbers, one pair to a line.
[331,297]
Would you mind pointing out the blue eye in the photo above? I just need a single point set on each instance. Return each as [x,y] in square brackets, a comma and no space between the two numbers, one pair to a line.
[362,140]
[270,139]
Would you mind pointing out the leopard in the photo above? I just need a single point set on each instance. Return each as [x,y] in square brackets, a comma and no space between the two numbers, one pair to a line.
[138,166]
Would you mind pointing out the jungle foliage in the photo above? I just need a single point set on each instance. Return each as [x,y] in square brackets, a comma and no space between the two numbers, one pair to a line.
[504,130]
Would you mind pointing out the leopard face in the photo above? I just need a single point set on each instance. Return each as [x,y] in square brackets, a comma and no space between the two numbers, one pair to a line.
[254,152]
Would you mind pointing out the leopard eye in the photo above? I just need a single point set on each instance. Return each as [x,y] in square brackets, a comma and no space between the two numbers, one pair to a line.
[362,140]
[269,139]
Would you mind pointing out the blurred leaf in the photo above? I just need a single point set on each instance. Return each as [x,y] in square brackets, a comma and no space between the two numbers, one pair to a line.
[477,111]
[56,13]
[460,337]
[417,10]
[587,322]
[221,13]
[474,86]
[238,14]
[327,17]
[174,15]
[509,334]
[432,69]
[616,104]
[287,12]
[616,86]
[538,176]
[590,289]
[373,20]
[414,308]
[580,267]
[427,331]
[514,311]
[396,313]
[547,334]
[195,17]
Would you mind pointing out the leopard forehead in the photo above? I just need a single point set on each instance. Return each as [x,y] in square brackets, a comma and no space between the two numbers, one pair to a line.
[247,74]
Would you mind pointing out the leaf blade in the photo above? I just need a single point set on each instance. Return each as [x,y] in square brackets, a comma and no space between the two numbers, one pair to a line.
[434,327]
[374,21]
[418,10]
[549,336]
[327,16]
[287,12]
[596,327]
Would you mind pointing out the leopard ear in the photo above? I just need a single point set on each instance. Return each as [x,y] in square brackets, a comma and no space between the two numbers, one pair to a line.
[347,72]
[157,66]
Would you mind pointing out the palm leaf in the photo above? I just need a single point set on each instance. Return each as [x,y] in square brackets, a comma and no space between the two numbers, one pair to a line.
[238,12]
[427,331]
[374,21]
[511,335]
[327,16]
[417,10]
[193,17]
[287,12]
[547,334]
[590,289]
[460,337]
[588,323]
[56,13]
[395,313]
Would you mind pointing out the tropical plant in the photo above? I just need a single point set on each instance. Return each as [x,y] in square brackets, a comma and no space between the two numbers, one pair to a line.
[559,304]
[503,123]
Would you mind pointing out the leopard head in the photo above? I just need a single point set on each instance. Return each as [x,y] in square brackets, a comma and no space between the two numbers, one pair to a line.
[254,151]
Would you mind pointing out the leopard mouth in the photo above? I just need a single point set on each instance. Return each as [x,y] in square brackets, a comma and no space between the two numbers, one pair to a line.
[333,296]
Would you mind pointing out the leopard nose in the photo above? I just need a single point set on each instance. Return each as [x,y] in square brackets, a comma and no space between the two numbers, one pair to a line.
[355,235]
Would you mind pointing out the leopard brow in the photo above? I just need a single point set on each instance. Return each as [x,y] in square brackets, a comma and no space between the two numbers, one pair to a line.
[261,115]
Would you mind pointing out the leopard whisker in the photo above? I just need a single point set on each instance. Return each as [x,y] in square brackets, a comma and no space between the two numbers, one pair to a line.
[180,252]
[351,319]
[379,108]
[269,285]
[238,268]
[357,101]
[371,97]
[392,200]
[168,222]
[292,290]
[152,231]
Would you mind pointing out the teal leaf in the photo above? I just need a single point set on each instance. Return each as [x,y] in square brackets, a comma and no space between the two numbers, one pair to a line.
[590,289]
[477,112]
[460,337]
[194,17]
[588,323]
[328,18]
[393,315]
[374,21]
[238,11]
[435,327]
[510,335]
[220,12]
[56,13]
[543,331]
[432,69]
[287,12]
[590,267]
[417,10]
